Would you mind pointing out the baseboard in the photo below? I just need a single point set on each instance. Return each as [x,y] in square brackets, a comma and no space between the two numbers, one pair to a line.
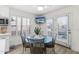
[63,46]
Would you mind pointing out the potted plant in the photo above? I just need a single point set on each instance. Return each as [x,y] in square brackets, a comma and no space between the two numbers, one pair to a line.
[37,30]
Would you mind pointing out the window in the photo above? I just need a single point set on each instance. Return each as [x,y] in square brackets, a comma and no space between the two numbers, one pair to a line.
[18,25]
[28,21]
[28,25]
[24,24]
[49,26]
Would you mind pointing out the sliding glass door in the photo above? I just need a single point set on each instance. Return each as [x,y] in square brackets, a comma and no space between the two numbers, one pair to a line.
[62,30]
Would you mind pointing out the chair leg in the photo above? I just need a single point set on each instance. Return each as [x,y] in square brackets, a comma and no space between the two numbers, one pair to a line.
[30,49]
[23,49]
[53,49]
[44,50]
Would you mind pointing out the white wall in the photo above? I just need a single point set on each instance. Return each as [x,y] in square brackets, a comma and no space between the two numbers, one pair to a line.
[75,33]
[4,11]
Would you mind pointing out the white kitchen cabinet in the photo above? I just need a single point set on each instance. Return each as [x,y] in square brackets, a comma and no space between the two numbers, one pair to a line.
[4,45]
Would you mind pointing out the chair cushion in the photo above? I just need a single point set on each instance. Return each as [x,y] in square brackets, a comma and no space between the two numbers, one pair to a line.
[49,45]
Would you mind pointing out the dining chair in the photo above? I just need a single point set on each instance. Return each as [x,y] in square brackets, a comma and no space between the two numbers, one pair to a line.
[36,45]
[25,42]
[50,42]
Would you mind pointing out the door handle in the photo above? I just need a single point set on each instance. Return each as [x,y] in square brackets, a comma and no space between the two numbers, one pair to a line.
[69,31]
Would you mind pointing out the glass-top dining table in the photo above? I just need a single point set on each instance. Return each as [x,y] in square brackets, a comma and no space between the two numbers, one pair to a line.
[36,44]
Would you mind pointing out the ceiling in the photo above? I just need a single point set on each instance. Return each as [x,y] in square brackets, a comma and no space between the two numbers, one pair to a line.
[33,8]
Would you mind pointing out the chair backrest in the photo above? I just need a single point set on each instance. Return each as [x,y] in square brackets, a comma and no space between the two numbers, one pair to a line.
[23,37]
[39,41]
[51,40]
[54,39]
[55,36]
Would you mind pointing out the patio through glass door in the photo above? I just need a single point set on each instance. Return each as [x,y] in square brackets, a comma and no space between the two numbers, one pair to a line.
[62,31]
[59,26]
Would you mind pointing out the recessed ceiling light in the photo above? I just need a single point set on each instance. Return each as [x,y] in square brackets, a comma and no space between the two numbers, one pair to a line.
[40,8]
[45,6]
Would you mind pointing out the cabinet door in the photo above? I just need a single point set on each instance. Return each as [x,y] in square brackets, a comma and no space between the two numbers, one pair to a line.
[7,44]
[2,45]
